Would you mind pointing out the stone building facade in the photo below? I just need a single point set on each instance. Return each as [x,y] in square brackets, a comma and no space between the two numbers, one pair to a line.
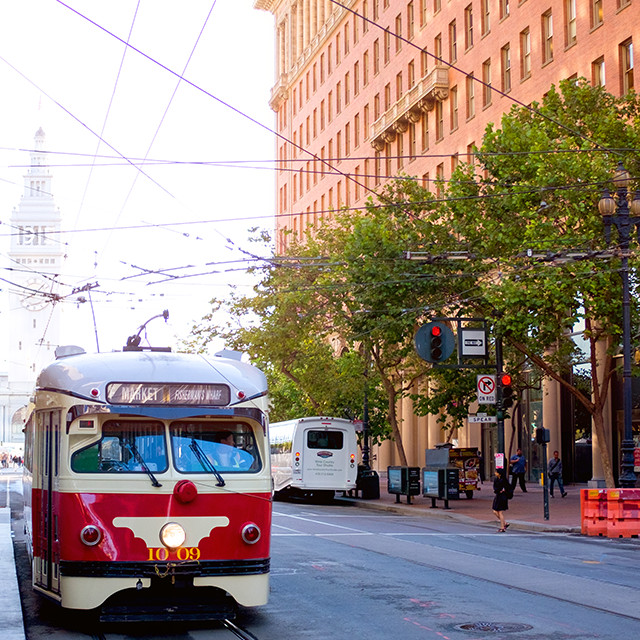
[369,89]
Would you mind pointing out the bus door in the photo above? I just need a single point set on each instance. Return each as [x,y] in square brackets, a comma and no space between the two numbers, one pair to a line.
[324,459]
[47,561]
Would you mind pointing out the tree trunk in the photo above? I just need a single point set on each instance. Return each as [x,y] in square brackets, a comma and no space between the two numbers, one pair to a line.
[393,419]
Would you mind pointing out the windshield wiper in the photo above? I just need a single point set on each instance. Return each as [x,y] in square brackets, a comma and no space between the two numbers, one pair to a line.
[136,454]
[207,465]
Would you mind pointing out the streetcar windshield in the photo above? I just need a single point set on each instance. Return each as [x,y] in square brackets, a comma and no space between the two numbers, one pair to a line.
[228,447]
[126,446]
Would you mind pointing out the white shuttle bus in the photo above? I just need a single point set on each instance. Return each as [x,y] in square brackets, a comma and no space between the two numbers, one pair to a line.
[313,456]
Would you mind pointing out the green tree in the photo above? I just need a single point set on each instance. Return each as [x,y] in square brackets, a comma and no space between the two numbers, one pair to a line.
[544,171]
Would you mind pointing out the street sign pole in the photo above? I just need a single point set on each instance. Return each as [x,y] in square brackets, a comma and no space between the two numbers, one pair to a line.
[499,410]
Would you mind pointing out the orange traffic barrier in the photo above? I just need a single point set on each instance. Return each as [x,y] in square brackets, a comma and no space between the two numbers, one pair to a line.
[593,510]
[623,513]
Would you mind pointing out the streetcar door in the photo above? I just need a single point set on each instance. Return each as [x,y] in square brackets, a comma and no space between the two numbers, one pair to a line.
[47,562]
[325,458]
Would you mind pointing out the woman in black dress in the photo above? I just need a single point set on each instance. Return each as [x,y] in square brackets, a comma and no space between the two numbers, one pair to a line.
[501,488]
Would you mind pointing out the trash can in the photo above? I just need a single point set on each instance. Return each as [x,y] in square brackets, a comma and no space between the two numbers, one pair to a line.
[368,483]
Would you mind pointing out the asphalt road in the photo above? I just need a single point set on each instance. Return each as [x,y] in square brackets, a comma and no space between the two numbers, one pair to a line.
[342,572]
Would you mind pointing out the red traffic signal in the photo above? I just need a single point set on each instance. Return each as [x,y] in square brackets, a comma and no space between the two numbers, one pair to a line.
[506,391]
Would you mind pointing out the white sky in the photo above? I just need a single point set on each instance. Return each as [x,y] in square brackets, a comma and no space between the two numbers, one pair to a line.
[60,72]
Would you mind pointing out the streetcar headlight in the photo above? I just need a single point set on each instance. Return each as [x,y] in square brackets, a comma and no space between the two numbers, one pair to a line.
[91,535]
[172,535]
[251,533]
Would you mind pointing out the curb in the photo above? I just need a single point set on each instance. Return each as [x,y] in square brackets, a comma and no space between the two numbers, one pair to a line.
[405,509]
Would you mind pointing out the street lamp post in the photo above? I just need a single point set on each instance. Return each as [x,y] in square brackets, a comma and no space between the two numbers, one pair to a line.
[624,214]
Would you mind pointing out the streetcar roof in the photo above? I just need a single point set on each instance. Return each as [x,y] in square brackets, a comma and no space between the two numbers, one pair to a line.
[80,374]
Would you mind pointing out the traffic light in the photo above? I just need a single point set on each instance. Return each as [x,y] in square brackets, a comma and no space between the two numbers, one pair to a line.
[435,342]
[506,390]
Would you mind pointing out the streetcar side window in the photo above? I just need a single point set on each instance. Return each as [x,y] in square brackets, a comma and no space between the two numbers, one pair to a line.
[230,447]
[325,439]
[125,447]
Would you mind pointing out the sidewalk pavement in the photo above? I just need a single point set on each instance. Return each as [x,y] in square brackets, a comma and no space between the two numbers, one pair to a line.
[526,510]
[11,623]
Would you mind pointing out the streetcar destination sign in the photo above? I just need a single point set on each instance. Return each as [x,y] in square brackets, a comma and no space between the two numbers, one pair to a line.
[145,393]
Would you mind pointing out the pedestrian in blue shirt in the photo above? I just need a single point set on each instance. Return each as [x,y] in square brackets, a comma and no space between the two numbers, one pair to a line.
[555,474]
[518,469]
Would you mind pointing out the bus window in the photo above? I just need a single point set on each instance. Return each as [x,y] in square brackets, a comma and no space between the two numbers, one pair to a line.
[325,439]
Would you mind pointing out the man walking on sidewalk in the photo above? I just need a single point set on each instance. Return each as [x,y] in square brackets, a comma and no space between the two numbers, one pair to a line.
[555,474]
[518,469]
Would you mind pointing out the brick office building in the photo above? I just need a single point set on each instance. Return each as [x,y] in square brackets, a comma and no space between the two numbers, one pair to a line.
[369,89]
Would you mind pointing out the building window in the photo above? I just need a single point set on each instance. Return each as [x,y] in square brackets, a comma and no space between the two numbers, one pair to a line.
[547,37]
[471,100]
[505,58]
[347,89]
[411,74]
[485,17]
[410,21]
[525,54]
[376,106]
[365,16]
[423,13]
[437,47]
[486,86]
[398,86]
[412,142]
[437,5]
[439,121]
[626,66]
[468,27]
[439,179]
[623,3]
[424,62]
[356,130]
[570,19]
[387,45]
[453,108]
[356,78]
[596,13]
[365,69]
[346,38]
[376,57]
[400,150]
[398,37]
[453,42]
[387,96]
[347,140]
[338,97]
[365,121]
[425,132]
[597,72]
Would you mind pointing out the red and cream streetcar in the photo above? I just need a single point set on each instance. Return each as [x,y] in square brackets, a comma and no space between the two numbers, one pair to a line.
[147,484]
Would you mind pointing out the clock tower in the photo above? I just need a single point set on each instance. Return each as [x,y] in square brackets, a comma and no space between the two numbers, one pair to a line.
[35,261]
